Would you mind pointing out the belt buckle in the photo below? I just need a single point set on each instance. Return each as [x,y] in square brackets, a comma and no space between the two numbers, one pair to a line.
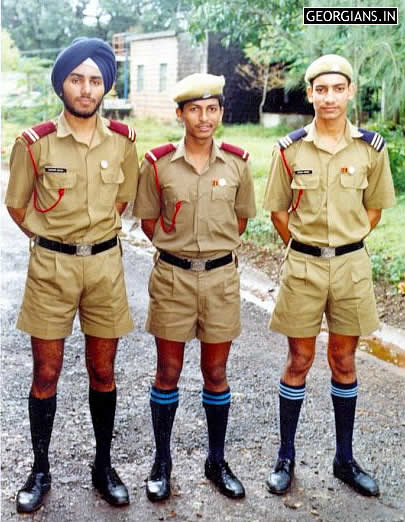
[83,250]
[328,252]
[197,265]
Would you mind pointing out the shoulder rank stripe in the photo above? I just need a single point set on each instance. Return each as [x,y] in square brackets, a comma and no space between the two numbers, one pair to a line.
[244,154]
[374,139]
[123,129]
[288,140]
[37,132]
[158,152]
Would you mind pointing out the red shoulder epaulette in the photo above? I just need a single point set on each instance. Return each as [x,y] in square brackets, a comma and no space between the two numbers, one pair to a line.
[38,131]
[122,128]
[244,154]
[157,153]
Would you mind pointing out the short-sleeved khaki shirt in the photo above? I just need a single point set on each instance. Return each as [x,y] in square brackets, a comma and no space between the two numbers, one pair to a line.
[93,179]
[337,188]
[206,224]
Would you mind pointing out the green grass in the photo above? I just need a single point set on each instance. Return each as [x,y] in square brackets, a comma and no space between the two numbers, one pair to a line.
[387,239]
[385,242]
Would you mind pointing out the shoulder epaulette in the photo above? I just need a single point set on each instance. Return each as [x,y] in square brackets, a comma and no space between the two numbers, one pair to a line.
[374,139]
[123,129]
[244,154]
[38,131]
[158,152]
[288,140]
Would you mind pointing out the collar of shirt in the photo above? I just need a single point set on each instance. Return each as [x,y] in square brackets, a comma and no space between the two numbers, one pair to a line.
[216,152]
[101,131]
[350,132]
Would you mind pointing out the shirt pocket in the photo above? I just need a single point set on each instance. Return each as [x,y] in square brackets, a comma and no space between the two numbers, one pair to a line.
[358,180]
[111,178]
[223,193]
[55,181]
[311,195]
[171,197]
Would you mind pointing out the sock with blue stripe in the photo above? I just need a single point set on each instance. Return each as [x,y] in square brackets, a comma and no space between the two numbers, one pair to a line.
[216,407]
[163,405]
[344,398]
[291,399]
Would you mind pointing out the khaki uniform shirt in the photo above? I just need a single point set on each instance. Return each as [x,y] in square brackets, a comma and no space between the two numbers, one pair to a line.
[338,187]
[206,224]
[94,178]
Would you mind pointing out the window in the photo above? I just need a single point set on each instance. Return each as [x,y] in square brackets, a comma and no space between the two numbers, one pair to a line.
[140,78]
[163,77]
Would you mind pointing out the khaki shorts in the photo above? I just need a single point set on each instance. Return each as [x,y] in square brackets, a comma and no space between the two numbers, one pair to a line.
[341,287]
[185,304]
[60,284]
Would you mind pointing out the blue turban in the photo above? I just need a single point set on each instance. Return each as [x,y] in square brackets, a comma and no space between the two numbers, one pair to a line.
[81,49]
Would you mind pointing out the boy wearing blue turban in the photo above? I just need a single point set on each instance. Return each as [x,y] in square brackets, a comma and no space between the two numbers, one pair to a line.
[70,181]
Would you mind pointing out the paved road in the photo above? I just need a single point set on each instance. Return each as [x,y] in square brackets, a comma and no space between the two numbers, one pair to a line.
[254,370]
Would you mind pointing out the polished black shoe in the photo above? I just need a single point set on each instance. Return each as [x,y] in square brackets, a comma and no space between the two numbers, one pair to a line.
[352,475]
[221,475]
[279,480]
[31,496]
[110,486]
[158,483]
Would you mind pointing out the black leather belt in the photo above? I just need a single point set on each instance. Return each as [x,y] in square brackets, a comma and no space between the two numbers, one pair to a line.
[326,251]
[76,250]
[196,265]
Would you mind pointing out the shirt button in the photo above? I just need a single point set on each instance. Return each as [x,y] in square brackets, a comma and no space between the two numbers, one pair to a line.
[104,164]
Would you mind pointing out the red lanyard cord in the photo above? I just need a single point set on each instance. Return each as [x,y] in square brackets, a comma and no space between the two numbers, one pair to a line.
[61,191]
[301,191]
[177,205]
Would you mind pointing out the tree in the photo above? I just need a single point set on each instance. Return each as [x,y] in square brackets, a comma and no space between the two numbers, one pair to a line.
[10,55]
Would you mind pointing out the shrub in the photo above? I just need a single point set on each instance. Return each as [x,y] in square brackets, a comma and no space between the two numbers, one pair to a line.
[394,137]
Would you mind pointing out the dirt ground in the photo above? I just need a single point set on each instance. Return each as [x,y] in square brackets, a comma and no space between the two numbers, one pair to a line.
[252,440]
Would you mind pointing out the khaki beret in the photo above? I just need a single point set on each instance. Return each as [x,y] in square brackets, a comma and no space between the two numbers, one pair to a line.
[198,86]
[327,64]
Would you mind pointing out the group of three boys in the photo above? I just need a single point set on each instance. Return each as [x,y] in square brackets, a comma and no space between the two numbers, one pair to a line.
[70,181]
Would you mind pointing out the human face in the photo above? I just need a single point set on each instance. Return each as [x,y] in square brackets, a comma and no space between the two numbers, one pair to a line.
[83,91]
[201,117]
[330,95]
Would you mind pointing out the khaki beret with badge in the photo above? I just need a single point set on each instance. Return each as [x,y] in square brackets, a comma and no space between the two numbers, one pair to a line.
[198,86]
[329,64]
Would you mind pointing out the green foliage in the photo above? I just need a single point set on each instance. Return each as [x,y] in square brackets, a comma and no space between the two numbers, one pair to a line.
[261,231]
[10,55]
[392,270]
[378,263]
[394,136]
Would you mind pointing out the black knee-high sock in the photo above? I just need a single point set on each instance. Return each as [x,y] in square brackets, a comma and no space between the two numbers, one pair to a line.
[291,399]
[216,407]
[344,398]
[102,409]
[41,414]
[163,405]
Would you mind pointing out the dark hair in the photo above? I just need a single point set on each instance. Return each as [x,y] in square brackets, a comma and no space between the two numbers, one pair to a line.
[219,97]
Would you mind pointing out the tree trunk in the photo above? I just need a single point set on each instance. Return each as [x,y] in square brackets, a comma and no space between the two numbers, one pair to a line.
[264,93]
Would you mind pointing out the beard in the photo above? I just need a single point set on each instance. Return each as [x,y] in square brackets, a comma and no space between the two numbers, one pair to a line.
[78,114]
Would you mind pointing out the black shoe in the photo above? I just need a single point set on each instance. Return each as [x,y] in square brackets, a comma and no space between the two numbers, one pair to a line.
[158,483]
[352,474]
[110,486]
[279,480]
[221,475]
[31,496]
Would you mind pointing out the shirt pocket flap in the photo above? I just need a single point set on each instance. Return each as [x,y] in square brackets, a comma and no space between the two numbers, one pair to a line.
[112,175]
[358,180]
[305,181]
[223,192]
[60,180]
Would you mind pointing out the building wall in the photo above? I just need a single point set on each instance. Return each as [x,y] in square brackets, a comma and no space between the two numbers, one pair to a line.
[193,57]
[151,52]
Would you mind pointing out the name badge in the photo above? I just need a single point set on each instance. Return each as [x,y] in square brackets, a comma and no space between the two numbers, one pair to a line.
[55,170]
[302,172]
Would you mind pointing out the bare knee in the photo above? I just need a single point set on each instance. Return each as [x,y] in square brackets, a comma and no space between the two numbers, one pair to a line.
[167,376]
[214,377]
[101,376]
[45,379]
[298,366]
